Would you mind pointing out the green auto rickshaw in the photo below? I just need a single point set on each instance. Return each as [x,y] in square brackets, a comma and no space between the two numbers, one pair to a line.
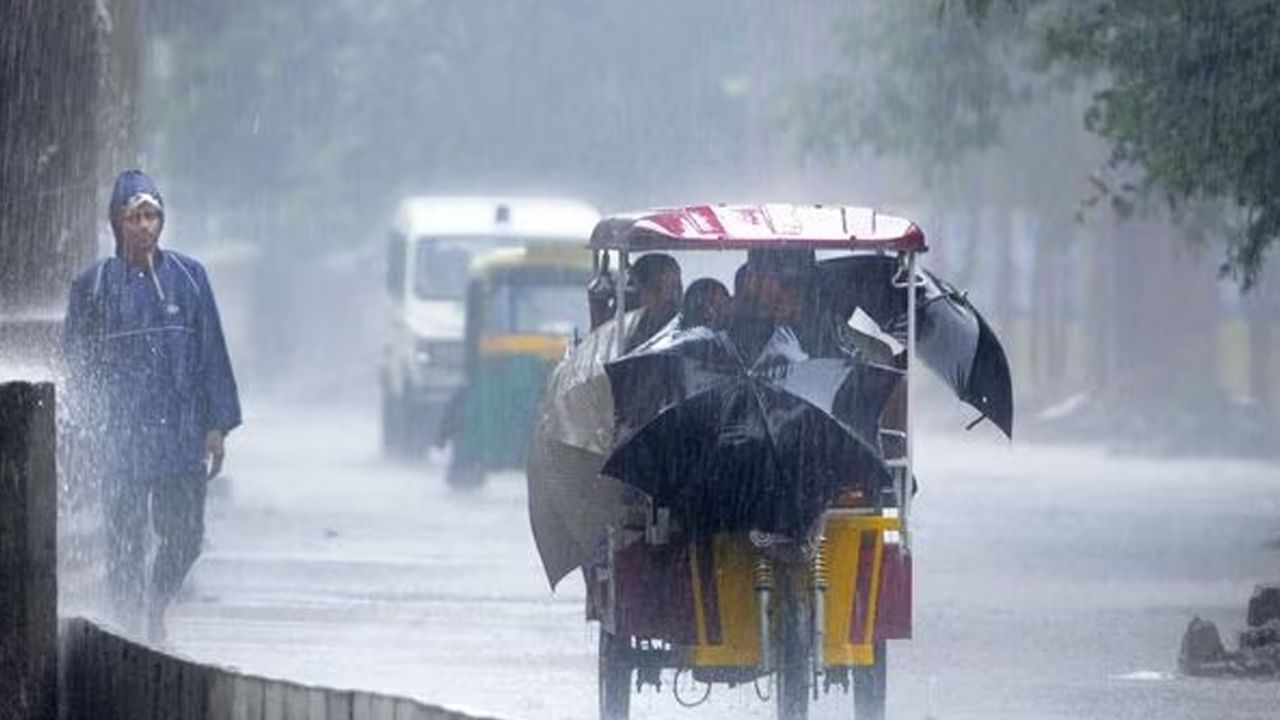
[524,307]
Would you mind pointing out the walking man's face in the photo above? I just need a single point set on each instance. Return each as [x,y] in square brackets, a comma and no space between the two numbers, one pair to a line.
[140,227]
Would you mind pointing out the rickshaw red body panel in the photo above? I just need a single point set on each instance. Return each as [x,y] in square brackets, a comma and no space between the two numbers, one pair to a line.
[893,619]
[738,227]
[893,599]
[655,597]
[655,592]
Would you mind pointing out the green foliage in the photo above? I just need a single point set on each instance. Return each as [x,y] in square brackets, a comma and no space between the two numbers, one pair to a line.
[277,114]
[1192,101]
[915,81]
[1189,98]
[925,83]
[299,122]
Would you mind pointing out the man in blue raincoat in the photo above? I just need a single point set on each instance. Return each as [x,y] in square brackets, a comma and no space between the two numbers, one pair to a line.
[151,384]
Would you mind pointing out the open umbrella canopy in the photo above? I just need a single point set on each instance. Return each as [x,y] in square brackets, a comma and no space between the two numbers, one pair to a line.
[953,339]
[732,444]
[957,343]
[570,503]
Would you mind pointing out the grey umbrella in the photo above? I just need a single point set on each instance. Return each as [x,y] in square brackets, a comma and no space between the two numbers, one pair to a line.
[954,340]
[570,503]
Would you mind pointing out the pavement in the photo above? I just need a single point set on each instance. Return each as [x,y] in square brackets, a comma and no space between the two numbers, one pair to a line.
[1051,582]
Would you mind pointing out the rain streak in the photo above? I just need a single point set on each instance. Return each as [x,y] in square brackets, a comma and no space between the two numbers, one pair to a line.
[704,359]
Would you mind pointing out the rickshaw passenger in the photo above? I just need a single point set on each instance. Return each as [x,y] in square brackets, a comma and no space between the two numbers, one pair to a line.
[770,293]
[658,290]
[706,304]
[835,336]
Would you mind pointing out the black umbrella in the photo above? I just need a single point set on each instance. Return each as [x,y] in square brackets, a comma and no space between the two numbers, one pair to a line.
[957,343]
[730,444]
[952,338]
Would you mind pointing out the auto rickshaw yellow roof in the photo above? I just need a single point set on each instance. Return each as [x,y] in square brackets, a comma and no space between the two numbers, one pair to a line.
[532,255]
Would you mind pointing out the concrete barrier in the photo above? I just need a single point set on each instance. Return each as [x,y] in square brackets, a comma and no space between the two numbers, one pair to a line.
[106,677]
[79,671]
[28,550]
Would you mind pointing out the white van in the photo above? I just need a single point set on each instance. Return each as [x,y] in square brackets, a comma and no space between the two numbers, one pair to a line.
[433,239]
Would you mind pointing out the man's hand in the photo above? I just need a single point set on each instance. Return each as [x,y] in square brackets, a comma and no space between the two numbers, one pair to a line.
[215,450]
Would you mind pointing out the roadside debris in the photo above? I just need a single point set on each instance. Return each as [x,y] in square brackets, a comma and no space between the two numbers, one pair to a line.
[1204,655]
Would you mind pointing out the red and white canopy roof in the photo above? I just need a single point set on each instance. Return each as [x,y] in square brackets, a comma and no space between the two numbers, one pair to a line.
[736,227]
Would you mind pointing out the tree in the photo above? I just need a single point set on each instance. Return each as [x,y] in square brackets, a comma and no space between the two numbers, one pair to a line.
[918,83]
[300,122]
[1000,93]
[1192,101]
[1187,94]
[959,103]
[296,125]
[49,65]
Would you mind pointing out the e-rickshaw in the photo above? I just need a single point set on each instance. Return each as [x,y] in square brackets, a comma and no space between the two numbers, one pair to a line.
[523,308]
[795,616]
[725,608]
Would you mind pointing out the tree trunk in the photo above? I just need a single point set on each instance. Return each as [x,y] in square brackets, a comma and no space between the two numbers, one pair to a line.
[123,45]
[1262,308]
[1055,344]
[48,156]
[1042,271]
[1005,270]
[1166,307]
[1107,256]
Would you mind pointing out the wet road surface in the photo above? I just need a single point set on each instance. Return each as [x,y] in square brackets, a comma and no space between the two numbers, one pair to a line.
[1051,583]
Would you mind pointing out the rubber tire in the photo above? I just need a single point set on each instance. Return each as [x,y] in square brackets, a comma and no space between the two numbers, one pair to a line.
[419,429]
[795,674]
[463,475]
[615,675]
[870,686]
[393,426]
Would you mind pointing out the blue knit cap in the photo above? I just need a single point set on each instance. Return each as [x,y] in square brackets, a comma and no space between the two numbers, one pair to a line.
[132,186]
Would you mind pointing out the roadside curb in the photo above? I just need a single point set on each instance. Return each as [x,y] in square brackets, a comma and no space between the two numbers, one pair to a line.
[107,677]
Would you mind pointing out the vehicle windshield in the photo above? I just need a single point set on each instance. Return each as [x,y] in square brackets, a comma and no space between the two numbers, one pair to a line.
[441,264]
[542,308]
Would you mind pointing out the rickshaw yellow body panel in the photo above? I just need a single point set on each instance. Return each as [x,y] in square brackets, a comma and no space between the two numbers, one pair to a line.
[545,347]
[849,539]
[730,637]
[725,605]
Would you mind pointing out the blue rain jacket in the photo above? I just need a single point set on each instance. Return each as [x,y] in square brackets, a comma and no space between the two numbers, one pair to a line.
[152,375]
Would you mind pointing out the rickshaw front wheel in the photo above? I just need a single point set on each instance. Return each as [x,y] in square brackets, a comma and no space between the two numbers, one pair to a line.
[870,685]
[615,676]
[795,672]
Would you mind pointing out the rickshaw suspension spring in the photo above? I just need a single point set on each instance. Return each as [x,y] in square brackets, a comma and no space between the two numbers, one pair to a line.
[820,578]
[821,573]
[763,574]
[764,586]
